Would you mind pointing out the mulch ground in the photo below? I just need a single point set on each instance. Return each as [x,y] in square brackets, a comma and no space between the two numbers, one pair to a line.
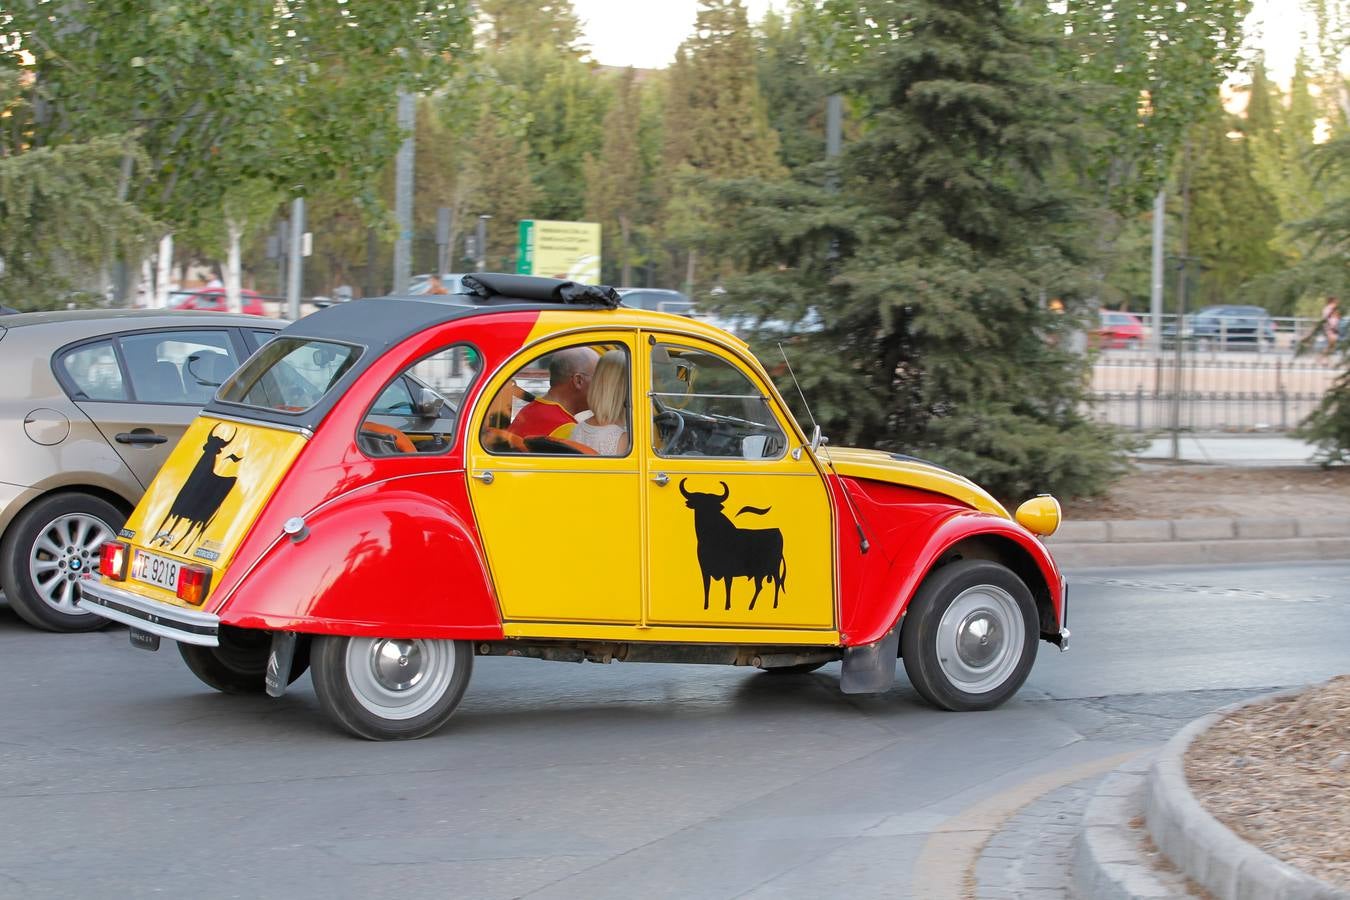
[1278,775]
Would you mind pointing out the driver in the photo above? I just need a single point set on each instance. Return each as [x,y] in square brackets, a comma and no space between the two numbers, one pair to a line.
[569,383]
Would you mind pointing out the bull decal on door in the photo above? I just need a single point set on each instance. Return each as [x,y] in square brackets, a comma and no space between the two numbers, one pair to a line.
[726,552]
[201,495]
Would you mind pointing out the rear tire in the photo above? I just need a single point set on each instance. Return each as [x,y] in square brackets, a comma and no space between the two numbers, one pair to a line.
[970,636]
[239,664]
[48,550]
[389,689]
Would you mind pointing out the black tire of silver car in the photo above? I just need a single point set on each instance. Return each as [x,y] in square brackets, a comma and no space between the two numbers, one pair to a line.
[389,689]
[970,635]
[49,548]
[239,664]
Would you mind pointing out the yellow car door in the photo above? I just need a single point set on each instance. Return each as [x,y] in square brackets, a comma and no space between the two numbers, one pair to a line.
[560,521]
[739,523]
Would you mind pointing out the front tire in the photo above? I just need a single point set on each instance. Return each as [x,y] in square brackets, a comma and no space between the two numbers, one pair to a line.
[970,636]
[48,550]
[239,664]
[389,689]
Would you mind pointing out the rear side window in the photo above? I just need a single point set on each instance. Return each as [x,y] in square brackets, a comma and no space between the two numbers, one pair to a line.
[290,374]
[94,371]
[178,366]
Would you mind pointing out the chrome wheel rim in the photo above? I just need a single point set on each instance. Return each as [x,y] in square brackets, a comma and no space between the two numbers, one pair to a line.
[64,554]
[399,679]
[979,639]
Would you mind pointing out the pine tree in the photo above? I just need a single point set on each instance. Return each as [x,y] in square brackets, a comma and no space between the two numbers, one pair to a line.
[933,265]
[1233,219]
[614,179]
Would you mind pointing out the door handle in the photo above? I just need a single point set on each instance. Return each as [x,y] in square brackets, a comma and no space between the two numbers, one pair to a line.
[140,436]
[661,479]
[485,477]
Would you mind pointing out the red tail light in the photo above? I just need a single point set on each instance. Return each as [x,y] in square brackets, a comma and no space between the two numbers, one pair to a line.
[112,560]
[193,583]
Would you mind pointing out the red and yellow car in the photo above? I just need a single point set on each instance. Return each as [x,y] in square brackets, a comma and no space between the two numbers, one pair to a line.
[390,488]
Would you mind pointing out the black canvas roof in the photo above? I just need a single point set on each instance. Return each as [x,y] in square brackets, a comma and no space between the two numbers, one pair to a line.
[379,323]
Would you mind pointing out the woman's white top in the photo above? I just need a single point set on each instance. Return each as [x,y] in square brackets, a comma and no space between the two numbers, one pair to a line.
[604,439]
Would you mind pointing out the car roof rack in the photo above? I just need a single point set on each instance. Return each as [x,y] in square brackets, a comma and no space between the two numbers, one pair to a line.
[498,285]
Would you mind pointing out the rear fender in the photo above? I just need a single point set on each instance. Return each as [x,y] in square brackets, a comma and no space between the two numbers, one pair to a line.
[385,560]
[968,535]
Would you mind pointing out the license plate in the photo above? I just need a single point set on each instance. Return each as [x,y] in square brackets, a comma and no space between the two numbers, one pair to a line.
[152,568]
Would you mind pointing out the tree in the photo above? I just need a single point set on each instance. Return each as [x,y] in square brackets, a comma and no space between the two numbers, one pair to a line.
[614,179]
[60,213]
[793,87]
[229,97]
[1233,219]
[715,122]
[932,265]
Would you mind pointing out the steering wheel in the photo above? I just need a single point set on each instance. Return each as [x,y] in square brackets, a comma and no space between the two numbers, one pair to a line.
[386,433]
[676,418]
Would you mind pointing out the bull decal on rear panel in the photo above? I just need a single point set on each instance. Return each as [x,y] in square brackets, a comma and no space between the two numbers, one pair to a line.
[200,497]
[726,552]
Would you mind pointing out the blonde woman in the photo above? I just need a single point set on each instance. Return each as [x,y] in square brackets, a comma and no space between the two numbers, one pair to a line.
[606,431]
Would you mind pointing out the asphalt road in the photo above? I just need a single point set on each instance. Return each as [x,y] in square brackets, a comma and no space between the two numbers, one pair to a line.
[122,776]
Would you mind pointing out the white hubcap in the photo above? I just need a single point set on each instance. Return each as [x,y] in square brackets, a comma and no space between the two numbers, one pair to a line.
[399,679]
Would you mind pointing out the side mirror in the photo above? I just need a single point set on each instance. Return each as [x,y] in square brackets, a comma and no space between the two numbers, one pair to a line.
[817,439]
[429,404]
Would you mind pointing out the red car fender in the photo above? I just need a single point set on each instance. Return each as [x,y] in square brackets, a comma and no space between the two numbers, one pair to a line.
[375,562]
[984,536]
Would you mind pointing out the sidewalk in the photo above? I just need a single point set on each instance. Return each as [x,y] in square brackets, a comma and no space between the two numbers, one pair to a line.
[1294,535]
[1232,450]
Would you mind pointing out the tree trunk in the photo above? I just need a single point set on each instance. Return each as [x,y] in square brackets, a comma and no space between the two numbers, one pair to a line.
[234,230]
[625,236]
[165,271]
[689,270]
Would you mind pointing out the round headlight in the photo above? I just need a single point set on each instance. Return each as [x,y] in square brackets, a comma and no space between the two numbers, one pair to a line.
[1039,515]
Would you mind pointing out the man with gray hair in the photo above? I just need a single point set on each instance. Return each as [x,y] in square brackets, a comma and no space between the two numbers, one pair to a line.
[569,382]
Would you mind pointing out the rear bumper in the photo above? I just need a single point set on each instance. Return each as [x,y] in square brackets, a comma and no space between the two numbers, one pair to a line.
[163,619]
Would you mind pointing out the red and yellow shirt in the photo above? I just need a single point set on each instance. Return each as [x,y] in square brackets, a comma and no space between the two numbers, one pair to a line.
[543,418]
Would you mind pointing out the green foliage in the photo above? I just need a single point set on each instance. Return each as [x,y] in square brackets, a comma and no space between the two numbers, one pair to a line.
[1233,219]
[60,214]
[932,265]
[614,179]
[298,94]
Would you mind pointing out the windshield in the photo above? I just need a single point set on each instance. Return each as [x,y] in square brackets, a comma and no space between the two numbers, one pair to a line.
[290,375]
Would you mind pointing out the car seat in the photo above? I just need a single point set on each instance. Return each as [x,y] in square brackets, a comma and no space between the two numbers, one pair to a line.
[163,384]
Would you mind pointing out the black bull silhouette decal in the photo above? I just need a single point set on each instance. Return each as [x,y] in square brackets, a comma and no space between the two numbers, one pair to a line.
[726,552]
[200,496]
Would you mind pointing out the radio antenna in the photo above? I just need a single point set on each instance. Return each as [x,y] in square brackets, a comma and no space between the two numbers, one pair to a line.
[863,544]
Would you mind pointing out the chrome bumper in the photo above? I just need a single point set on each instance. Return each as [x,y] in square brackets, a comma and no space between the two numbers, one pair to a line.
[163,619]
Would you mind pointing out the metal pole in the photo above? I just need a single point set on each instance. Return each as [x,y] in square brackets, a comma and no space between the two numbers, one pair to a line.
[1155,303]
[1182,259]
[296,270]
[403,192]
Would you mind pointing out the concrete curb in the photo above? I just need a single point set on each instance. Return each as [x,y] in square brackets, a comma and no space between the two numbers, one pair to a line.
[1110,861]
[1144,542]
[1202,847]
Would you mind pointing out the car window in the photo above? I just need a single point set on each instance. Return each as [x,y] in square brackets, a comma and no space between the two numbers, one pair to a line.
[572,401]
[417,411]
[290,374]
[94,372]
[178,366]
[703,405]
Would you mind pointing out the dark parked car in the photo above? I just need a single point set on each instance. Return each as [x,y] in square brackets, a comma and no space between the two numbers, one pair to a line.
[1233,325]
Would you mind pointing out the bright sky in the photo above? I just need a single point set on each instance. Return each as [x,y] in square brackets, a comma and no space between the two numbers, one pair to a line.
[645,33]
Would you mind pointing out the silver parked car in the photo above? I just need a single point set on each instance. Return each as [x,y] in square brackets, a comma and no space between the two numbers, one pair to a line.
[91,403]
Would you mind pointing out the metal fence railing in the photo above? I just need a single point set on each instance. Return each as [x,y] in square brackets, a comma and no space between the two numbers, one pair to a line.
[1209,392]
